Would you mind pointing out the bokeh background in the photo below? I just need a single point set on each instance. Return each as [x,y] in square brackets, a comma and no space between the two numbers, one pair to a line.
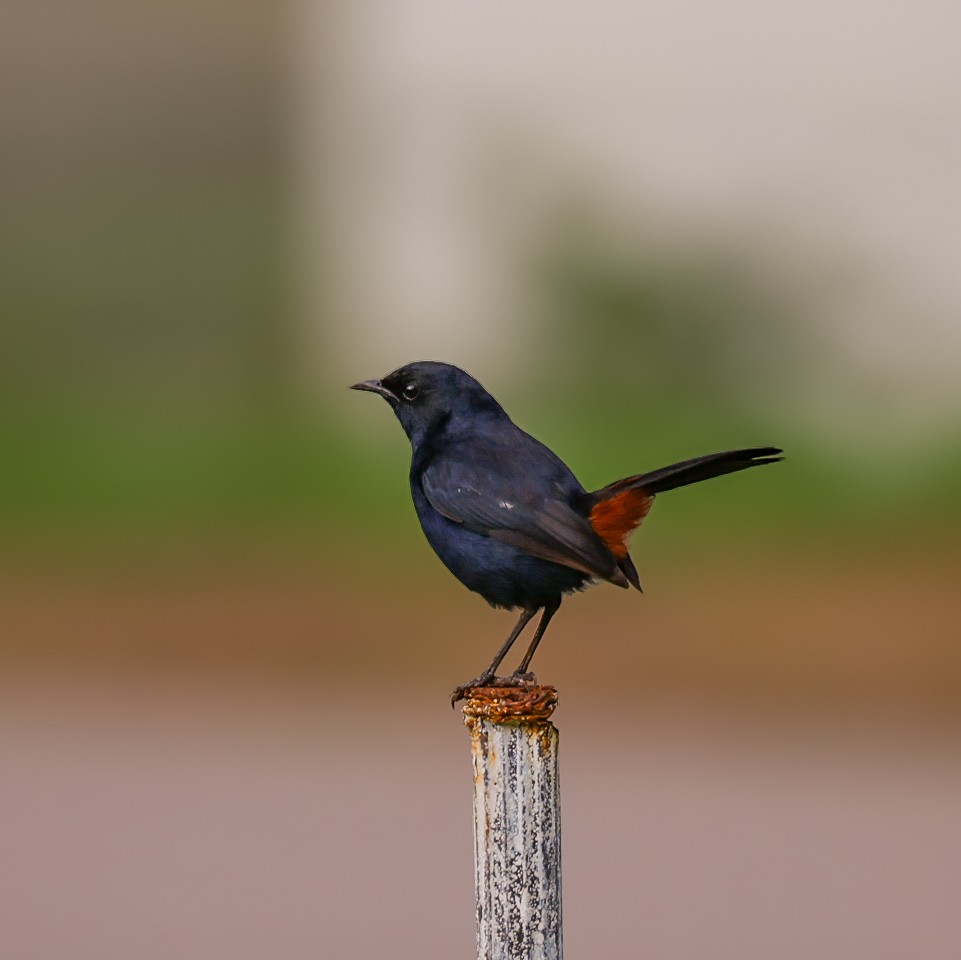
[652,232]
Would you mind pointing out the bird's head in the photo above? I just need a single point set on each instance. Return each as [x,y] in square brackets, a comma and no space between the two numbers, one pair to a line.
[427,395]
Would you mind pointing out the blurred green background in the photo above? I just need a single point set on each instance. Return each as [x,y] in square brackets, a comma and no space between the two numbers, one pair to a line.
[651,234]
[181,315]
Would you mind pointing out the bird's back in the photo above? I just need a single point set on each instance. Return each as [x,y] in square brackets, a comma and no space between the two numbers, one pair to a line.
[501,493]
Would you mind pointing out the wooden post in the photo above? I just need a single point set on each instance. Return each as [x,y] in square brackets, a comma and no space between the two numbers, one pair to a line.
[517,822]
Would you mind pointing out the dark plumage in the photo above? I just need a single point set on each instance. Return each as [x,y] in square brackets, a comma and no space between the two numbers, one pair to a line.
[505,514]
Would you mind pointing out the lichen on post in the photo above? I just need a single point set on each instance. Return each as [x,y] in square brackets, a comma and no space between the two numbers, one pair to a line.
[517,824]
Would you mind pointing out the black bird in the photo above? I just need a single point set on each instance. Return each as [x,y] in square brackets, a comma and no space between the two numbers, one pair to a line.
[506,515]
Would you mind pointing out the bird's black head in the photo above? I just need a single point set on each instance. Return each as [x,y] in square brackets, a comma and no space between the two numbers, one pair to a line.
[427,395]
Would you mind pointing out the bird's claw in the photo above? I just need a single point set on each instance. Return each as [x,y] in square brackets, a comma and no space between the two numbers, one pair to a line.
[489,680]
[459,693]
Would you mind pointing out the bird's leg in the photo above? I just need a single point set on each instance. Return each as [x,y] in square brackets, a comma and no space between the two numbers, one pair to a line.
[487,676]
[521,672]
[523,621]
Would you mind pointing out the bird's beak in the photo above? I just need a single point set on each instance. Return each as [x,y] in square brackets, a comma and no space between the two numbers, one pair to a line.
[375,386]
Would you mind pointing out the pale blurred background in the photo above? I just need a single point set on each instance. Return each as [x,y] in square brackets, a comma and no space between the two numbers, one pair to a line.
[652,232]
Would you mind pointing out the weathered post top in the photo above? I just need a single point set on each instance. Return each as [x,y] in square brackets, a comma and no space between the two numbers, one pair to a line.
[510,704]
[517,825]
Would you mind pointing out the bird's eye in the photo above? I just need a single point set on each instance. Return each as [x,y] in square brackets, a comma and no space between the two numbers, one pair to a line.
[411,391]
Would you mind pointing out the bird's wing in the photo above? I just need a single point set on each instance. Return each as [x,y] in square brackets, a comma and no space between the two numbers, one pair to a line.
[498,504]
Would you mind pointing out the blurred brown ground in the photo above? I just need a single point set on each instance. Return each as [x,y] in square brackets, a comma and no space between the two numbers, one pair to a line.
[821,627]
[256,757]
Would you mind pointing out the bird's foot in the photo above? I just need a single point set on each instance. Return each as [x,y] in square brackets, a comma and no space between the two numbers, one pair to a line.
[489,680]
[459,693]
[517,678]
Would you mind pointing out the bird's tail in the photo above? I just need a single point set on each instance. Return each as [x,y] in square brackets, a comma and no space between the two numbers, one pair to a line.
[617,510]
[692,471]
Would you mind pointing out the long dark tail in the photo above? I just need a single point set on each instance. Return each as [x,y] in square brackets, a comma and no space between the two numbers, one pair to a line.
[694,471]
[616,510]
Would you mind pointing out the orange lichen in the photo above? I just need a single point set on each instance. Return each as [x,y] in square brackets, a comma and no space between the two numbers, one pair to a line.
[524,703]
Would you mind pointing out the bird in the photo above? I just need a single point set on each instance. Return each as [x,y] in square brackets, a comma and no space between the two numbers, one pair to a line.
[506,515]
